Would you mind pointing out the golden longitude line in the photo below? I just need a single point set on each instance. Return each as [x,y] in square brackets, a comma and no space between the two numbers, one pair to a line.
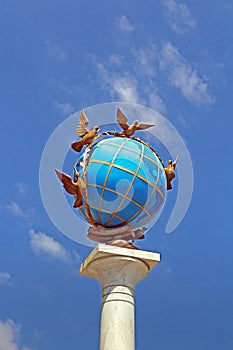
[134,215]
[129,188]
[130,172]
[119,194]
[148,199]
[107,212]
[132,150]
[143,222]
[106,177]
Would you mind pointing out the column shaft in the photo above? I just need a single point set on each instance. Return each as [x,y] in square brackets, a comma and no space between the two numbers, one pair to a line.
[118,270]
[117,318]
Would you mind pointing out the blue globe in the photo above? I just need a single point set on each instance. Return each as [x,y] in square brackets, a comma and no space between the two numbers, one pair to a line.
[126,183]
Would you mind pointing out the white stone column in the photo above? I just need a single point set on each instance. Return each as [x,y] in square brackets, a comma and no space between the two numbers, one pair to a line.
[118,270]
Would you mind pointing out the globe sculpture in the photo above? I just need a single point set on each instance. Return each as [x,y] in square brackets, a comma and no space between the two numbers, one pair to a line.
[126,183]
[119,182]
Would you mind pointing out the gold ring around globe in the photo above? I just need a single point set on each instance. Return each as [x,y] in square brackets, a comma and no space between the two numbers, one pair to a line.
[134,151]
[130,172]
[121,195]
[104,210]
[129,188]
[148,199]
[107,175]
[125,196]
[166,134]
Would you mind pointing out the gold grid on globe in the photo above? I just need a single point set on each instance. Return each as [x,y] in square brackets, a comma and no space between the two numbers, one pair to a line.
[125,196]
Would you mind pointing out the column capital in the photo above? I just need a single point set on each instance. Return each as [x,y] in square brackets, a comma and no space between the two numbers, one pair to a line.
[111,265]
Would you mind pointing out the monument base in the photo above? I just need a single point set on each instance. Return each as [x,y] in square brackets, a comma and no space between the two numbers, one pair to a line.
[118,270]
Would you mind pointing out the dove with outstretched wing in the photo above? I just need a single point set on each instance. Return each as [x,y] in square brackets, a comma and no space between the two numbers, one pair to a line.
[129,130]
[87,136]
[72,187]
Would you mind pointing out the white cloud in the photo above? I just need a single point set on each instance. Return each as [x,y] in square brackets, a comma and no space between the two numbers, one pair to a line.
[124,24]
[182,76]
[155,101]
[115,59]
[146,70]
[41,243]
[146,59]
[179,17]
[64,108]
[54,51]
[15,210]
[10,336]
[125,86]
[21,187]
[5,278]
[121,86]
[137,84]
[135,77]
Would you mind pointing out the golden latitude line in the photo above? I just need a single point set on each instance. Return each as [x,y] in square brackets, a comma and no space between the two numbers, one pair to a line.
[156,211]
[121,195]
[134,151]
[148,199]
[103,210]
[129,188]
[119,217]
[107,212]
[146,220]
[106,177]
[130,172]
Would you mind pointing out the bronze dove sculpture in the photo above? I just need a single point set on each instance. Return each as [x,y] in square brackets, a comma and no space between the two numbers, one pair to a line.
[129,130]
[72,187]
[170,172]
[82,130]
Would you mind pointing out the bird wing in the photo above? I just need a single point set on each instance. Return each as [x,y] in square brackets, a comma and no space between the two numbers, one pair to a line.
[175,162]
[142,126]
[68,184]
[122,119]
[82,128]
[77,145]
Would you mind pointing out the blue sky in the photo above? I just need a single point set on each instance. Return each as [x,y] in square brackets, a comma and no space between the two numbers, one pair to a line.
[58,57]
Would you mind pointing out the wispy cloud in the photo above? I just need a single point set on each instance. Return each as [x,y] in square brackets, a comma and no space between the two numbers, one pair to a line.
[146,59]
[5,278]
[134,83]
[146,70]
[14,209]
[124,24]
[182,76]
[54,51]
[10,334]
[64,108]
[41,243]
[122,86]
[179,16]
[125,86]
[21,187]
